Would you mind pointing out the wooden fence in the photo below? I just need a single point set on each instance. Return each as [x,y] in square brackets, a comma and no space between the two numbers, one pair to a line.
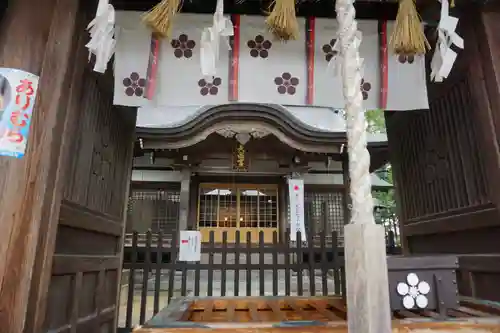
[314,267]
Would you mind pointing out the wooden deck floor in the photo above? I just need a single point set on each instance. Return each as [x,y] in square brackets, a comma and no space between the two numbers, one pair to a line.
[397,328]
[314,314]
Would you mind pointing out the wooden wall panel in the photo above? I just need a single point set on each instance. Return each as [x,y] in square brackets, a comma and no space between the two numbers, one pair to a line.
[478,276]
[31,187]
[82,294]
[99,161]
[445,160]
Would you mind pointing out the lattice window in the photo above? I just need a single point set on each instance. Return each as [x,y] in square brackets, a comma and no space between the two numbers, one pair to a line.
[153,209]
[217,207]
[325,210]
[242,206]
[249,217]
[268,208]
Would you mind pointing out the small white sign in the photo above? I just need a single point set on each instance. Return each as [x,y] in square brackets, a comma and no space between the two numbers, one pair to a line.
[190,245]
[296,192]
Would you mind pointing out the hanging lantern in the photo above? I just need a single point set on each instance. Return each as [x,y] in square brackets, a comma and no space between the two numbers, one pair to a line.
[160,18]
[282,20]
[408,37]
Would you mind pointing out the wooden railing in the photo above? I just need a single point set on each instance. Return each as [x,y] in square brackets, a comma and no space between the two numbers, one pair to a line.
[142,240]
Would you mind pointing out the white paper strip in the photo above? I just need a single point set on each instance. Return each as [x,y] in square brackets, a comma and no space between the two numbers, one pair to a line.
[444,57]
[222,28]
[102,42]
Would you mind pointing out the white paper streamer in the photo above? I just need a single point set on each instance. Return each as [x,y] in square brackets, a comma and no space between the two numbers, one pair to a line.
[222,28]
[444,57]
[359,157]
[102,42]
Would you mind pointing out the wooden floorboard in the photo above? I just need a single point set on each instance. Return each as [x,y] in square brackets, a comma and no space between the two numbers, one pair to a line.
[270,314]
[321,308]
[341,327]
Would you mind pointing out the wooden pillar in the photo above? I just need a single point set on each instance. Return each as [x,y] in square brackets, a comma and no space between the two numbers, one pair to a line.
[193,203]
[184,199]
[283,209]
[367,293]
[484,77]
[35,36]
[398,183]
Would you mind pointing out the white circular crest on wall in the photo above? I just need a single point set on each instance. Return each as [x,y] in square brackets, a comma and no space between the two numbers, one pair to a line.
[414,292]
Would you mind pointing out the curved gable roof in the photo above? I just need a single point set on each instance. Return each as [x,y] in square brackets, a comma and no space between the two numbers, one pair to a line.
[270,114]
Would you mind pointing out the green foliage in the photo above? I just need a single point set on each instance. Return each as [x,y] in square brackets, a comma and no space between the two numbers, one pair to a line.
[385,199]
[375,121]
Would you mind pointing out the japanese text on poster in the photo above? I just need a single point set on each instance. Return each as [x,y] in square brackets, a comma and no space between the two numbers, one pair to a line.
[190,245]
[296,190]
[18,91]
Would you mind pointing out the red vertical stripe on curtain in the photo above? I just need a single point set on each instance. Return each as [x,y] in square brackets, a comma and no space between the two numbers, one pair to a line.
[152,72]
[234,60]
[310,40]
[382,27]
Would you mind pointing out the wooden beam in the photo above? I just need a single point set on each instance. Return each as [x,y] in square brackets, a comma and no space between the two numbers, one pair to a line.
[483,217]
[31,187]
[76,216]
[64,264]
[367,9]
[127,187]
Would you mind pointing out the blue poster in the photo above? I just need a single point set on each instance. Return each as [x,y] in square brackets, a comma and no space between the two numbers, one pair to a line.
[18,91]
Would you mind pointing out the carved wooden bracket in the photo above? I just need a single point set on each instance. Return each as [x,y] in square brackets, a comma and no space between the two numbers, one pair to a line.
[243,135]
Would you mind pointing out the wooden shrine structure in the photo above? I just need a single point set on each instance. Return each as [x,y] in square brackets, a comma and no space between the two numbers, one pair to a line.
[445,165]
[62,206]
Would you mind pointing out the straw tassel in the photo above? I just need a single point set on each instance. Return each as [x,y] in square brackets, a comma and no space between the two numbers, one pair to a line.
[282,21]
[408,37]
[160,17]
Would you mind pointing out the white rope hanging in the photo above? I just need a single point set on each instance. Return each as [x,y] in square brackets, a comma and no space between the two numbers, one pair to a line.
[335,63]
[222,28]
[102,42]
[359,157]
[444,57]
